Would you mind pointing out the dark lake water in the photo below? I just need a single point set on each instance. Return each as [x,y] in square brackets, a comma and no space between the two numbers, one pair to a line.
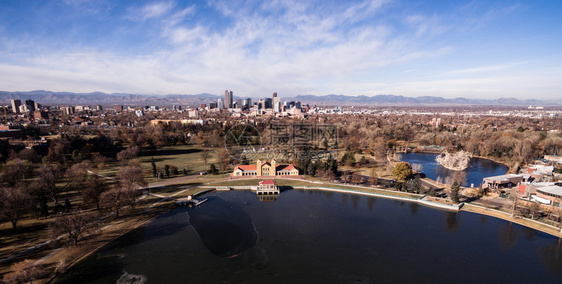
[477,170]
[322,237]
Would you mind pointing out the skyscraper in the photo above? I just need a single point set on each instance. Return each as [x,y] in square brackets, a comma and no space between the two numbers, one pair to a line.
[228,99]
[247,103]
[275,101]
[220,104]
[30,105]
[16,106]
[268,103]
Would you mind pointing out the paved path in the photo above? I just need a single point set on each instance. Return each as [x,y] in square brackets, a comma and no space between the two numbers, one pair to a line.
[153,185]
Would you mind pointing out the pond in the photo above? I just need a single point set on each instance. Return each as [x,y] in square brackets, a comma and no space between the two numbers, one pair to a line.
[322,237]
[477,170]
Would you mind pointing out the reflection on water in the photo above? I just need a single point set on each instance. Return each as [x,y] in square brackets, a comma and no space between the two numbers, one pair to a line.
[225,229]
[551,256]
[508,235]
[414,207]
[452,222]
[312,237]
[371,203]
[477,170]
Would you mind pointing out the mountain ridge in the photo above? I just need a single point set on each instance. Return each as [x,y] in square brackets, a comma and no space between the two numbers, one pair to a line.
[70,98]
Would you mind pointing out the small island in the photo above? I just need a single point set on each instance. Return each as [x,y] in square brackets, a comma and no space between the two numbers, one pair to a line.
[457,161]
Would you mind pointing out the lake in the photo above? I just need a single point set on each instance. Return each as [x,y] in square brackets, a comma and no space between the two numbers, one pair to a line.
[477,170]
[322,237]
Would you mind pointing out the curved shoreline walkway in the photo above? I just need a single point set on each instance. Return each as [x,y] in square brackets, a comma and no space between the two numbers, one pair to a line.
[533,224]
[549,229]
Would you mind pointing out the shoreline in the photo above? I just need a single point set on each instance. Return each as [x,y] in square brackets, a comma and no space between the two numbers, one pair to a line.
[105,235]
[157,208]
[533,224]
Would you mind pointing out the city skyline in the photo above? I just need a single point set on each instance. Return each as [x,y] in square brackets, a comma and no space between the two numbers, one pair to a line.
[471,49]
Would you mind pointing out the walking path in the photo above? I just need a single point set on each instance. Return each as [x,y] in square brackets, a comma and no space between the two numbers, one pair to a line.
[415,198]
[154,185]
[539,226]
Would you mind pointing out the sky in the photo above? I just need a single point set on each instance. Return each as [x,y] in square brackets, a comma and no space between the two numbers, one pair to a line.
[472,49]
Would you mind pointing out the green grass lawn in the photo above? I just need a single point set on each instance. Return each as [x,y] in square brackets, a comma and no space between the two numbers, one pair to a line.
[183,157]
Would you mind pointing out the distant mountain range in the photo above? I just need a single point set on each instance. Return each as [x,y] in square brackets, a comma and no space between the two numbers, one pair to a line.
[66,98]
[392,100]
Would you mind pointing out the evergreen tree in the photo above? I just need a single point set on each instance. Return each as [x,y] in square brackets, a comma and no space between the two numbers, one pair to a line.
[167,170]
[154,170]
[213,170]
[67,205]
[244,160]
[455,188]
[43,208]
[417,186]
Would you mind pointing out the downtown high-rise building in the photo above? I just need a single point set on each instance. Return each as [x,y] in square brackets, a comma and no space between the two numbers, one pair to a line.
[247,103]
[275,101]
[228,99]
[30,105]
[16,106]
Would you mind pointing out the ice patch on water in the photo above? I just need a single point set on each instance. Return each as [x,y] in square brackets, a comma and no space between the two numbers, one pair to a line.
[107,255]
[127,278]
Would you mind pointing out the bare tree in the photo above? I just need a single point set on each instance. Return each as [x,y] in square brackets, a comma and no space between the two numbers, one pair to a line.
[73,225]
[205,154]
[14,203]
[224,159]
[23,272]
[534,209]
[114,200]
[346,176]
[128,154]
[373,177]
[14,171]
[459,177]
[131,176]
[99,159]
[48,176]
[557,211]
[77,174]
[356,178]
[92,190]
[326,174]
[514,205]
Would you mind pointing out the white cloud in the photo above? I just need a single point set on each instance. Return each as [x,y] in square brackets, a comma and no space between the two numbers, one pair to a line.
[289,47]
[149,11]
[487,68]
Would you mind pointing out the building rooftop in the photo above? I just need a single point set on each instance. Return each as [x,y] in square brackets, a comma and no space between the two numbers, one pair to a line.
[246,167]
[552,189]
[267,182]
[504,178]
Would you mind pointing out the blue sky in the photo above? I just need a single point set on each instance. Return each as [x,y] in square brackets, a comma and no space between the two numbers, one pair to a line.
[473,49]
